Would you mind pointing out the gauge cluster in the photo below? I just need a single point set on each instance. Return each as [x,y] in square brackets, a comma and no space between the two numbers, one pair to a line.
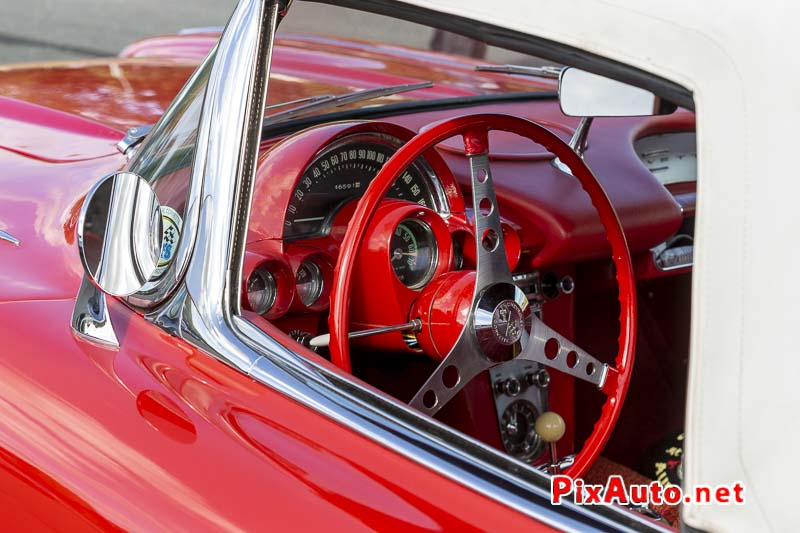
[299,283]
[306,190]
[289,264]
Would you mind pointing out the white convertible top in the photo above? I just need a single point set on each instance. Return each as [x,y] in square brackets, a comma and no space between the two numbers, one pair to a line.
[740,59]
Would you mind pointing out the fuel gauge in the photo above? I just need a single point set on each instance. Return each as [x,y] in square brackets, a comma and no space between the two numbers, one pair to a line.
[413,253]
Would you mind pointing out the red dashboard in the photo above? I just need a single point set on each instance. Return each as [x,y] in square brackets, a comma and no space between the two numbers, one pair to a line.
[548,219]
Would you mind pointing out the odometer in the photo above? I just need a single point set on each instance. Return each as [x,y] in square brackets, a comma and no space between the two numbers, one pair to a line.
[341,173]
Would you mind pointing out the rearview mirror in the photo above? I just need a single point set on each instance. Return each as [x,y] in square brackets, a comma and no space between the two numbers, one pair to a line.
[584,94]
[119,233]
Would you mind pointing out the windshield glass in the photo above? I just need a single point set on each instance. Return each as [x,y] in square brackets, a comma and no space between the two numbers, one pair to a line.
[365,51]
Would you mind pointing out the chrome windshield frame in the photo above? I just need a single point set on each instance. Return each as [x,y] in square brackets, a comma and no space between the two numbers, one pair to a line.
[205,308]
[157,291]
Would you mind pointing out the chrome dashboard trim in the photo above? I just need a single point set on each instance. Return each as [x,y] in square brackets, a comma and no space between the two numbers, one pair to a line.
[659,251]
[205,310]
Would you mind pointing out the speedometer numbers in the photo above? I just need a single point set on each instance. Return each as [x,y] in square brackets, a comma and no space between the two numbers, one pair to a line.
[341,173]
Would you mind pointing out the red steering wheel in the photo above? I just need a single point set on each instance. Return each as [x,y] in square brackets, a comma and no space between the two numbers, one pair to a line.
[500,325]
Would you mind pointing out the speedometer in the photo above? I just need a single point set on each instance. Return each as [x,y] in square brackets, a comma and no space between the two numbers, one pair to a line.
[341,173]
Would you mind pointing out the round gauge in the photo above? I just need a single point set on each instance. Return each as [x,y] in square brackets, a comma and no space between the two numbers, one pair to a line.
[309,283]
[342,173]
[413,252]
[517,430]
[261,290]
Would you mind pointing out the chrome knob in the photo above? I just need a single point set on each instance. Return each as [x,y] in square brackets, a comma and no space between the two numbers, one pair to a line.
[540,378]
[510,386]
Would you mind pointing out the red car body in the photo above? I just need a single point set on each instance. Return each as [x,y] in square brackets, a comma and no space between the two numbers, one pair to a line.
[158,435]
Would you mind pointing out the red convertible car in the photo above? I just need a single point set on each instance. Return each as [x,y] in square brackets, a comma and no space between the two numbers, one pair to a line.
[252,279]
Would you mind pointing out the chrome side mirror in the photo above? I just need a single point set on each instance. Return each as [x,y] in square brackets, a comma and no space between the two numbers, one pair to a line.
[584,94]
[120,233]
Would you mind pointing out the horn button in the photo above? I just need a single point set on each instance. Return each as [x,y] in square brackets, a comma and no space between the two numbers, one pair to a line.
[507,322]
[502,317]
[502,321]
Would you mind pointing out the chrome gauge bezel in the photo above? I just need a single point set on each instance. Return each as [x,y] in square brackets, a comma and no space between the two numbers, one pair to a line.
[531,444]
[434,262]
[316,276]
[268,280]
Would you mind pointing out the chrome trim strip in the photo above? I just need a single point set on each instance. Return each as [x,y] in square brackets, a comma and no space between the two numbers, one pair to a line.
[7,237]
[238,78]
[200,29]
[547,71]
[90,318]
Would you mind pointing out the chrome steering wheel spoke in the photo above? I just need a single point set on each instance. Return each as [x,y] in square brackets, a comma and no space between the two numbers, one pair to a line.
[491,263]
[550,348]
[500,316]
[460,366]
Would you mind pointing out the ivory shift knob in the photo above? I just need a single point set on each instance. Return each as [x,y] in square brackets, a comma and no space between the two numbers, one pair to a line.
[550,426]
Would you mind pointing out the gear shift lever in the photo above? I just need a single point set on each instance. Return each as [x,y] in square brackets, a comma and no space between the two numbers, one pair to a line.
[551,427]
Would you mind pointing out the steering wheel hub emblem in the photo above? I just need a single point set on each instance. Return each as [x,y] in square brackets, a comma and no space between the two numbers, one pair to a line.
[507,322]
[502,322]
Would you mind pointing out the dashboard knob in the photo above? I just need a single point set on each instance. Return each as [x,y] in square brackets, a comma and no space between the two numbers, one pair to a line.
[540,378]
[566,285]
[554,286]
[510,386]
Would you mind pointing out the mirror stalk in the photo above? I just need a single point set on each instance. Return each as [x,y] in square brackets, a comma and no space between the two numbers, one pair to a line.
[578,143]
[578,140]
